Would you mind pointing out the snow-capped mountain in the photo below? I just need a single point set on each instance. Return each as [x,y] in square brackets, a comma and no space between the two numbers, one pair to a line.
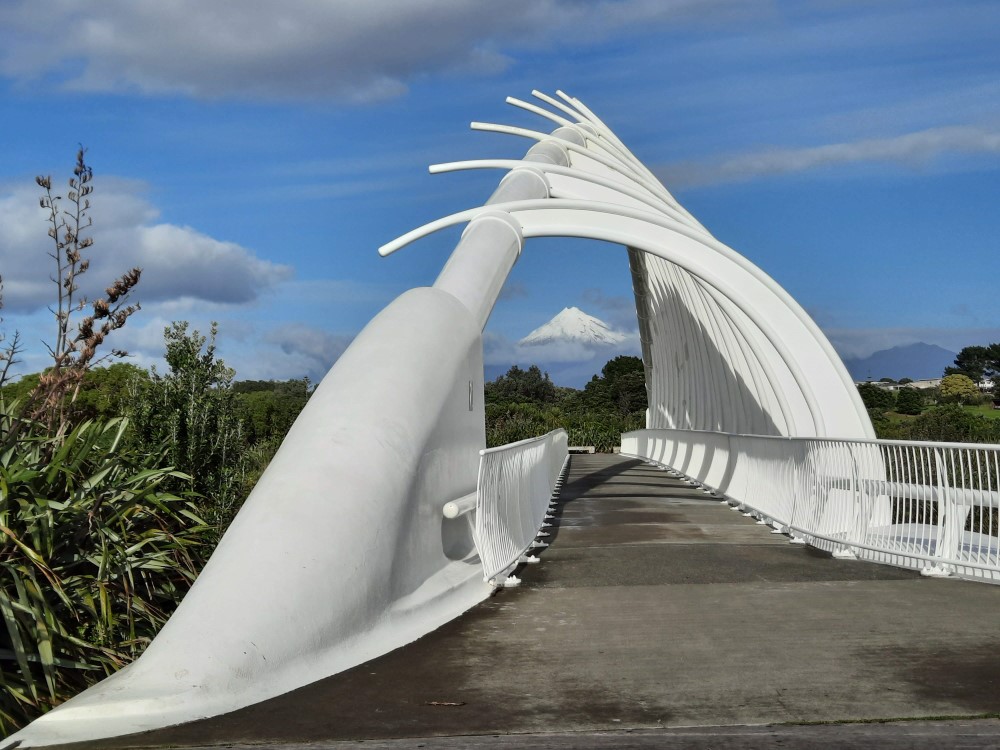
[573,324]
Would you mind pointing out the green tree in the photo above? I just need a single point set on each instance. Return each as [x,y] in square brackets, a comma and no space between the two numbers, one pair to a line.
[268,408]
[876,398]
[9,350]
[192,412]
[531,385]
[976,362]
[950,423]
[909,401]
[620,388]
[524,404]
[958,388]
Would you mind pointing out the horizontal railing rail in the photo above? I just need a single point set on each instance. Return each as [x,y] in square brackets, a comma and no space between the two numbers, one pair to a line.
[515,486]
[933,506]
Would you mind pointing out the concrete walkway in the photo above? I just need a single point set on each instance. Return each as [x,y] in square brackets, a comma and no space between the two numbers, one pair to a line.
[657,608]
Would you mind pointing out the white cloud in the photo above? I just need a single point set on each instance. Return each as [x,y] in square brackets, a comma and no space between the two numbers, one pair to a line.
[284,49]
[910,149]
[178,262]
[314,351]
[499,350]
[619,310]
[513,290]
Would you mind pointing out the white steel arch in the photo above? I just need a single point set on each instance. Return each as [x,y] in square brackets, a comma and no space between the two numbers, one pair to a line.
[360,559]
[817,398]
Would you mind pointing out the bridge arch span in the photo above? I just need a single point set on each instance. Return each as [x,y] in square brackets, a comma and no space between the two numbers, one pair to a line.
[341,552]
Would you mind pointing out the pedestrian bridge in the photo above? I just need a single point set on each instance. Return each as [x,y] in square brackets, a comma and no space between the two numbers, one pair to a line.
[383,517]
[656,606]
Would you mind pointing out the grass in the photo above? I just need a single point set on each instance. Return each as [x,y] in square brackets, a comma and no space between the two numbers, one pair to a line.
[985,410]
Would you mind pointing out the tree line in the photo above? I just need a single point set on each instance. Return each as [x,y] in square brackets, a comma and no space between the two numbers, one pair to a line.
[941,413]
[525,403]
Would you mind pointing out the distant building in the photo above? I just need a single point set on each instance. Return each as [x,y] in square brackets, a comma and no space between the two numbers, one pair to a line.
[918,384]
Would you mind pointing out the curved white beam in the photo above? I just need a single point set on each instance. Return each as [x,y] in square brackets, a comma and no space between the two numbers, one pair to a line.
[624,189]
[611,163]
[541,112]
[526,213]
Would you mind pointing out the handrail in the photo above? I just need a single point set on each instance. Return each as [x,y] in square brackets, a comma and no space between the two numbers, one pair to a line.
[460,506]
[519,443]
[870,441]
[916,504]
[515,486]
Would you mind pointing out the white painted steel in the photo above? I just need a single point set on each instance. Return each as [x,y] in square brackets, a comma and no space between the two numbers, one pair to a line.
[460,507]
[925,505]
[516,482]
[343,552]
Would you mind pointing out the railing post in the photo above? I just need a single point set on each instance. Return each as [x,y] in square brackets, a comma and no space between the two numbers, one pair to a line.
[946,544]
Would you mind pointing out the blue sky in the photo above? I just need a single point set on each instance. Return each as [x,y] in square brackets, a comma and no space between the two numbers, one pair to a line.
[251,155]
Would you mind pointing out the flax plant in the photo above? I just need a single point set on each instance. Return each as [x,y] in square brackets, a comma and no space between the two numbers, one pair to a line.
[9,350]
[75,350]
[94,556]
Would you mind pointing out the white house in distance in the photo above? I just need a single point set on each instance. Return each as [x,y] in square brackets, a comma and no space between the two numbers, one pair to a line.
[924,384]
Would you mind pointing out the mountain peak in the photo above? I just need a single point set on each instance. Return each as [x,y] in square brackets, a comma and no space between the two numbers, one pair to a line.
[573,324]
[919,360]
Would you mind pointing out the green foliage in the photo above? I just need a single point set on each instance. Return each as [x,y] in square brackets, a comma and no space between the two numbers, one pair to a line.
[976,362]
[950,423]
[524,404]
[94,556]
[268,408]
[909,401]
[103,392]
[876,398]
[191,413]
[522,386]
[621,389]
[958,389]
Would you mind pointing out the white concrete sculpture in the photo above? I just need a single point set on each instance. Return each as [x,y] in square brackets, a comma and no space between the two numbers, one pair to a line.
[341,552]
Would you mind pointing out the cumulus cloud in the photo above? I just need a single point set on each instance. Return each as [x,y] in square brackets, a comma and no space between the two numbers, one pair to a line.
[177,261]
[255,350]
[910,149]
[312,349]
[619,310]
[499,350]
[297,48]
[513,290]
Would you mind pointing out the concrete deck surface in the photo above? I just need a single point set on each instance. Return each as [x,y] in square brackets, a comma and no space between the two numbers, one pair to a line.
[655,608]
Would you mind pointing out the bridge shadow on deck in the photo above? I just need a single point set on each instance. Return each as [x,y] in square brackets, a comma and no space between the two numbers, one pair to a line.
[655,606]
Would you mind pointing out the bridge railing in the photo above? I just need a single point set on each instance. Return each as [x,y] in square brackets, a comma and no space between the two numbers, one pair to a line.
[515,486]
[932,506]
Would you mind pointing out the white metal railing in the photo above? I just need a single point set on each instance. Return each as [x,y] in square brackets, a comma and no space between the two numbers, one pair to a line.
[932,506]
[516,483]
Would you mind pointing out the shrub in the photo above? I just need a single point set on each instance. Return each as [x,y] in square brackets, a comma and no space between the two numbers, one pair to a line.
[909,401]
[959,389]
[94,556]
